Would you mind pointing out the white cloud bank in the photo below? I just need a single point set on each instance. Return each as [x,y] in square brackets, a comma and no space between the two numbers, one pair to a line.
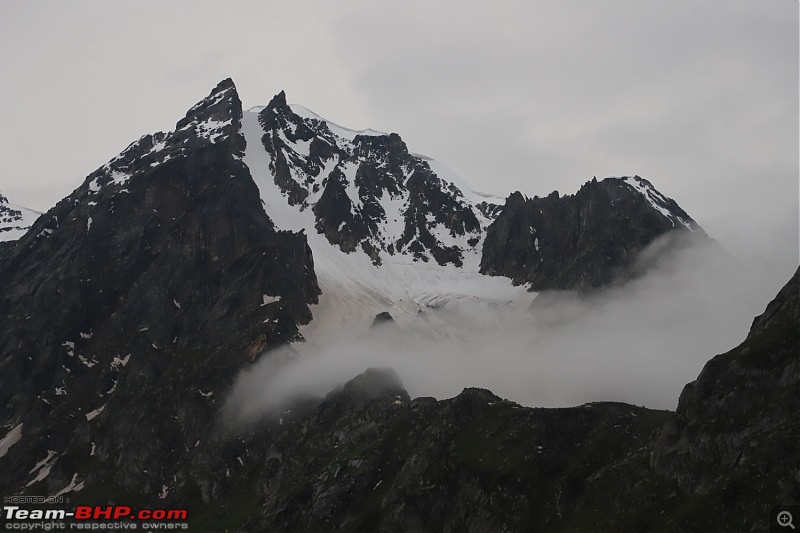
[640,343]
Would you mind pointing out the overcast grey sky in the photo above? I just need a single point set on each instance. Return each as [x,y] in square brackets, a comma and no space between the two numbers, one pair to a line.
[700,97]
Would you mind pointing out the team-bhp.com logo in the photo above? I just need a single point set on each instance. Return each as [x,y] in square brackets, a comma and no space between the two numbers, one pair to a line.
[117,512]
[95,517]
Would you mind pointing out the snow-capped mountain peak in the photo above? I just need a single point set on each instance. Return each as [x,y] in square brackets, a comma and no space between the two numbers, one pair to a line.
[213,120]
[363,190]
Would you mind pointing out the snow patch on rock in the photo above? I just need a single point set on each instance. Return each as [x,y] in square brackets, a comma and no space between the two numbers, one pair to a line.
[10,439]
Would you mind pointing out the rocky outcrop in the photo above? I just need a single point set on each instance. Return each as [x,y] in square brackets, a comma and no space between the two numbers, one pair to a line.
[382,319]
[582,241]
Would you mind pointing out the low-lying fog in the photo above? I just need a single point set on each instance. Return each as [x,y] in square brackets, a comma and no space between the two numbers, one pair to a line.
[639,343]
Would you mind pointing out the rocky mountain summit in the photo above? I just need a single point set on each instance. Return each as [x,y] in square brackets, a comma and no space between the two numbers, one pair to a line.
[581,241]
[129,308]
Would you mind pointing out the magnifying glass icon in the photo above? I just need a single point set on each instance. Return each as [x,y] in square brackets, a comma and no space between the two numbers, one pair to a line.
[785,519]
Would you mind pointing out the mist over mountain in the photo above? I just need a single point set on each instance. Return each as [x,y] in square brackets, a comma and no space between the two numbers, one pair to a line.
[638,343]
[195,325]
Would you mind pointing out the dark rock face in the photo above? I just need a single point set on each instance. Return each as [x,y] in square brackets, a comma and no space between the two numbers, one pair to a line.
[134,301]
[582,241]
